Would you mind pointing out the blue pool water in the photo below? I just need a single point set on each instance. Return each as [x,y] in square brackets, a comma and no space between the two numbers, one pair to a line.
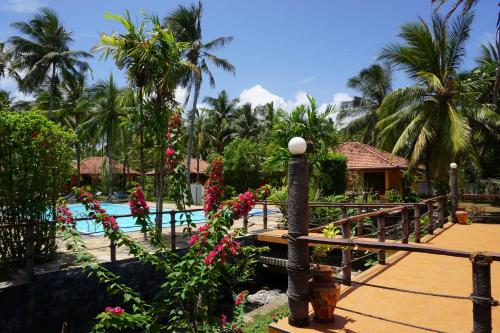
[127,224]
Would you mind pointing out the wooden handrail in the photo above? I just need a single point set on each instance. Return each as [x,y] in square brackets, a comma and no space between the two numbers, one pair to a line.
[392,246]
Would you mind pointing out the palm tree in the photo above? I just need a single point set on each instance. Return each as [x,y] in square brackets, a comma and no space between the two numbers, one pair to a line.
[44,54]
[129,51]
[246,122]
[268,115]
[423,120]
[220,110]
[105,119]
[373,83]
[186,24]
[4,59]
[202,138]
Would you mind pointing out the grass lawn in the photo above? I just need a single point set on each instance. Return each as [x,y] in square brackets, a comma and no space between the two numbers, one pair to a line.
[260,323]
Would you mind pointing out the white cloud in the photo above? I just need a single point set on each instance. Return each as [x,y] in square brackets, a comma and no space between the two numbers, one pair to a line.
[21,6]
[337,99]
[10,85]
[181,94]
[309,79]
[257,95]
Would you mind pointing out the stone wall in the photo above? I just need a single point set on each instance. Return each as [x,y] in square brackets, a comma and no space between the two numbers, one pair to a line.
[43,304]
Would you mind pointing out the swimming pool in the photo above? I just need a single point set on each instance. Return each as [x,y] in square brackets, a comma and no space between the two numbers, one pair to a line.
[127,224]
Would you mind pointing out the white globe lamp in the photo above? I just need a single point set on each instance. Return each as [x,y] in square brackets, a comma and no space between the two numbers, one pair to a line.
[297,146]
[453,165]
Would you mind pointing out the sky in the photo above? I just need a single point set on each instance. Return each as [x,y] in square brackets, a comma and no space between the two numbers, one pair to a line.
[282,50]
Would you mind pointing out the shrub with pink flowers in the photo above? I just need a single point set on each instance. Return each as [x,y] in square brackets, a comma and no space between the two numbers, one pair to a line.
[139,208]
[214,187]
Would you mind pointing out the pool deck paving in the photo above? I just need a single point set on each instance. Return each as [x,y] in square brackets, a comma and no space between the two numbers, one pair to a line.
[371,309]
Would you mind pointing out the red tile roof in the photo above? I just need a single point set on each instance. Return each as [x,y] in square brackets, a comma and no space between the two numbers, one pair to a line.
[203,167]
[364,157]
[96,164]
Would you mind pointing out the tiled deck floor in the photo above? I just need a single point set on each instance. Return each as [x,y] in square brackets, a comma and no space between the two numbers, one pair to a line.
[419,272]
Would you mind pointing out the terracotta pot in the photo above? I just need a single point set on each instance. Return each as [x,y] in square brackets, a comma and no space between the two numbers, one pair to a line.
[325,292]
[462,216]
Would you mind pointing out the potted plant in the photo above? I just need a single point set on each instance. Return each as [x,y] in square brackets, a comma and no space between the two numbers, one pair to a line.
[462,216]
[323,289]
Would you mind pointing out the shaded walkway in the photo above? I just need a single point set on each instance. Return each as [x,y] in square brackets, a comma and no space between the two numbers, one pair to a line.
[371,309]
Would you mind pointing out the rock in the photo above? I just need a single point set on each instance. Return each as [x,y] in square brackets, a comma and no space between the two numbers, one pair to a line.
[263,297]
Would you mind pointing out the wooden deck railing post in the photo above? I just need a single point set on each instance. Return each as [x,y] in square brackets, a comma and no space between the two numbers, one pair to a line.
[441,212]
[359,224]
[173,235]
[481,293]
[430,214]
[30,250]
[112,250]
[298,252]
[404,225]
[416,215]
[245,224]
[346,256]
[264,214]
[453,191]
[344,212]
[381,238]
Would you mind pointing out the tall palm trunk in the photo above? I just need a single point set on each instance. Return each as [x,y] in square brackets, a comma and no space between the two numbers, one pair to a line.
[141,115]
[78,153]
[52,90]
[159,195]
[197,86]
[198,168]
[110,168]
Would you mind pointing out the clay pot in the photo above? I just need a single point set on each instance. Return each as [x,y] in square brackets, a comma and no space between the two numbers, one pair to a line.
[462,216]
[324,292]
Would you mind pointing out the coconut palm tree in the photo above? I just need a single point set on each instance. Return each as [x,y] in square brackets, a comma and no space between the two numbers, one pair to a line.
[268,115]
[221,110]
[104,122]
[423,120]
[4,58]
[43,52]
[246,122]
[186,24]
[373,84]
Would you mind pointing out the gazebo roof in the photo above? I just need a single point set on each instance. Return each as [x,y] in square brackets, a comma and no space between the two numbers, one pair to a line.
[95,164]
[192,166]
[361,156]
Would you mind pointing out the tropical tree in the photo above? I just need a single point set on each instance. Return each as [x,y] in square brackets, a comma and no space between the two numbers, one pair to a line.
[268,115]
[4,58]
[202,138]
[130,50]
[186,24]
[43,53]
[104,123]
[373,84]
[246,122]
[423,120]
[221,110]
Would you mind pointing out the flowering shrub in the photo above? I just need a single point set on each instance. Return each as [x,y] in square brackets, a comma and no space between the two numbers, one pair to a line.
[234,325]
[99,214]
[139,208]
[173,155]
[214,187]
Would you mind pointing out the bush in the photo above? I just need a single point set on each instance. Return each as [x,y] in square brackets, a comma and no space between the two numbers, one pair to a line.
[35,165]
[243,161]
[332,174]
[393,195]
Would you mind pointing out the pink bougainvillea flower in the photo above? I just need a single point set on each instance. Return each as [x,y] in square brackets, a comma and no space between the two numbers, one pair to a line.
[223,320]
[241,297]
[170,152]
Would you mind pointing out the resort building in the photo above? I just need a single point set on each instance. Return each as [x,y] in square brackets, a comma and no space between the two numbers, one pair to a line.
[93,168]
[373,169]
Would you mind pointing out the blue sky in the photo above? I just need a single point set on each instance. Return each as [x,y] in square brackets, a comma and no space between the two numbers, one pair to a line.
[281,49]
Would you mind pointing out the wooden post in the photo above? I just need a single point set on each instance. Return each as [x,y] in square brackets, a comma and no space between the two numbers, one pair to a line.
[404,225]
[346,256]
[481,293]
[430,214]
[344,212]
[30,250]
[173,235]
[381,238]
[359,224]
[112,250]
[416,214]
[245,224]
[298,252]
[264,214]
[441,212]
[453,192]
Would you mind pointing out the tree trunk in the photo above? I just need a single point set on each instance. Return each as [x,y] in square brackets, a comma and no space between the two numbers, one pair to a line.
[191,130]
[110,169]
[78,153]
[428,174]
[198,169]
[159,195]
[52,91]
[141,115]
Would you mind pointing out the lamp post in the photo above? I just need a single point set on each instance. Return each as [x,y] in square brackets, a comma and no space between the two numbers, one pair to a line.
[298,225]
[453,191]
